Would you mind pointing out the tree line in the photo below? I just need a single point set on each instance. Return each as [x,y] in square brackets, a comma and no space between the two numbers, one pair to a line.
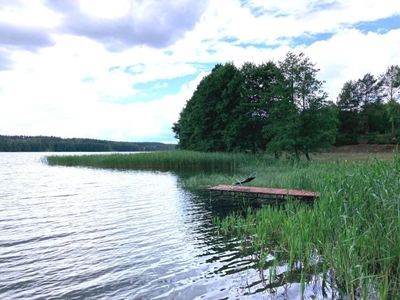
[282,108]
[370,106]
[56,144]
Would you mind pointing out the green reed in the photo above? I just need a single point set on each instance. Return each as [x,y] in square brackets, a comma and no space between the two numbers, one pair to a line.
[352,230]
[163,160]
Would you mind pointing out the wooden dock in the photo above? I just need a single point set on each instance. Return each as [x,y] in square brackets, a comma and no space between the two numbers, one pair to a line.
[271,195]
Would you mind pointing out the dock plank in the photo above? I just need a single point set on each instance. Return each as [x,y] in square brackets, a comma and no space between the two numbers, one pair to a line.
[265,191]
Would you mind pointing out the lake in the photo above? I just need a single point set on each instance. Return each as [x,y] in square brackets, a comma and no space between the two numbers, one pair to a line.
[84,233]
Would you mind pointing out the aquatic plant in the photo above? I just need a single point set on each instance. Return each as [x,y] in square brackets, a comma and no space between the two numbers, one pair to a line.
[352,232]
[163,160]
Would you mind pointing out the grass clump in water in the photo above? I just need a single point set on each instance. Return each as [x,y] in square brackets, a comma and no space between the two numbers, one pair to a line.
[165,160]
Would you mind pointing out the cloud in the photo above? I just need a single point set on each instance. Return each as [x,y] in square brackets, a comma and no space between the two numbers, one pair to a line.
[350,54]
[5,60]
[28,38]
[154,23]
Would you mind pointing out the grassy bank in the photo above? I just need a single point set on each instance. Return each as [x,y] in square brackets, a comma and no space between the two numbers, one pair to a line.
[351,234]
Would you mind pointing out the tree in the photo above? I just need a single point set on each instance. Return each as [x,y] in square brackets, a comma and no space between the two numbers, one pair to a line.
[378,118]
[361,105]
[368,91]
[202,122]
[252,98]
[389,86]
[348,114]
[303,122]
[276,107]
[396,82]
[393,109]
[234,137]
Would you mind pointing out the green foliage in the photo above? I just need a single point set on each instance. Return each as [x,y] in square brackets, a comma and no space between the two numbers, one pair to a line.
[348,115]
[175,160]
[362,106]
[258,107]
[201,124]
[378,118]
[351,232]
[396,81]
[368,92]
[303,122]
[393,110]
[282,108]
[257,88]
[56,144]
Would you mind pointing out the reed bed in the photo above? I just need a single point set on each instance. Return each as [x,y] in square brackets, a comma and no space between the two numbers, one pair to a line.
[165,160]
[355,156]
[352,232]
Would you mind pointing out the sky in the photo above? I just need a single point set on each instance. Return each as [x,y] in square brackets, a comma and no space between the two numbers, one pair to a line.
[123,70]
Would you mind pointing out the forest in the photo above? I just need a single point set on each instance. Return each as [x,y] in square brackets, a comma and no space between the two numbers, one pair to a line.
[281,107]
[56,144]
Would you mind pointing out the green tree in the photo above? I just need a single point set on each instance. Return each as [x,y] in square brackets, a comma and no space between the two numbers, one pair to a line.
[397,79]
[303,122]
[253,91]
[368,91]
[378,117]
[393,109]
[202,122]
[348,114]
[233,135]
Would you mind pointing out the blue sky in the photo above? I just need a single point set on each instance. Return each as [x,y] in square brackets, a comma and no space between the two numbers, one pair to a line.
[123,69]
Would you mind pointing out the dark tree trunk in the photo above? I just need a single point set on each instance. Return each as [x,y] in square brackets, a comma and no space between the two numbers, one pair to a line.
[308,156]
[393,131]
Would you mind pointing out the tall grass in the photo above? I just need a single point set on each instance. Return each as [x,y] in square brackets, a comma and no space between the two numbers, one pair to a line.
[164,160]
[353,230]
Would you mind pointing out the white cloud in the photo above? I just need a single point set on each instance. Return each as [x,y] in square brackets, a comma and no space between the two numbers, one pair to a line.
[106,8]
[350,54]
[28,13]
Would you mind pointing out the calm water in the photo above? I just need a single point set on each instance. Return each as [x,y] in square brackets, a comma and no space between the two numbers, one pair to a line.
[79,233]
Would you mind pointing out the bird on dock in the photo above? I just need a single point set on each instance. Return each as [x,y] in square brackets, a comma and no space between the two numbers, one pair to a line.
[248,179]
